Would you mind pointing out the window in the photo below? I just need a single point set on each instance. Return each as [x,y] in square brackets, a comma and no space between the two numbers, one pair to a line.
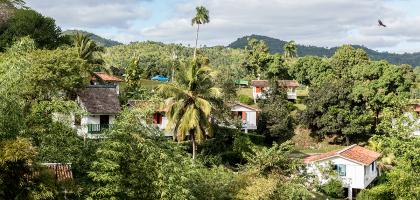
[373,166]
[341,169]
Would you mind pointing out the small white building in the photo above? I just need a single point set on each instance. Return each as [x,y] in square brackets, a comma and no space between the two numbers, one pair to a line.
[355,165]
[248,115]
[260,86]
[102,105]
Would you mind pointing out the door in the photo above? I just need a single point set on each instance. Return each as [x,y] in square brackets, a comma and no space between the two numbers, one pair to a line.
[104,119]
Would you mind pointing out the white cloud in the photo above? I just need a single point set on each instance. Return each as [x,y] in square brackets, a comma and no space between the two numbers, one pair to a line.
[312,22]
[92,13]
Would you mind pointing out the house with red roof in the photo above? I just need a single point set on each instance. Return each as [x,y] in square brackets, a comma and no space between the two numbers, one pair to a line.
[102,78]
[356,167]
[260,86]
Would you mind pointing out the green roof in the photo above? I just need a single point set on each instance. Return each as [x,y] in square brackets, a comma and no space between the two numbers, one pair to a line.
[241,82]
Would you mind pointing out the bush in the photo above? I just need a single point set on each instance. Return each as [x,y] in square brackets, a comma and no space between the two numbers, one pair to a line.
[332,188]
[243,98]
[380,192]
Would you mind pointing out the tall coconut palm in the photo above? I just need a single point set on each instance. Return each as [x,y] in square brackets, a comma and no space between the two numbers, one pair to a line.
[88,49]
[190,101]
[201,17]
[290,49]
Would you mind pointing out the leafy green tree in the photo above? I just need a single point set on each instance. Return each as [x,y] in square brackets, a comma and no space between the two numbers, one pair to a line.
[277,68]
[136,162]
[290,50]
[275,121]
[310,70]
[399,179]
[189,101]
[201,17]
[26,22]
[330,112]
[257,57]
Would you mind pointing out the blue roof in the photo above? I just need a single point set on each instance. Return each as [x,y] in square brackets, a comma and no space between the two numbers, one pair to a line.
[160,78]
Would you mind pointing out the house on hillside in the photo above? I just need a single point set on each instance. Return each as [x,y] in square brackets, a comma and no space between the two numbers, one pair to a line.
[260,86]
[248,115]
[101,104]
[355,165]
[102,78]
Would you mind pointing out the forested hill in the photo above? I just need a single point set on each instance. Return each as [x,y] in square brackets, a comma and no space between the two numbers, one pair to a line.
[276,46]
[98,39]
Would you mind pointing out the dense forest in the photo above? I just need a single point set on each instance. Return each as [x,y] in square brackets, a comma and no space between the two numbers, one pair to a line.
[351,99]
[276,46]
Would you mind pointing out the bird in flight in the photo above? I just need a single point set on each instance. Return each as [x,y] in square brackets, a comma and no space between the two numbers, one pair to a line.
[380,23]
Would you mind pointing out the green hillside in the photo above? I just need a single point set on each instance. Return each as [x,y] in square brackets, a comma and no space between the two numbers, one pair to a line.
[98,39]
[276,46]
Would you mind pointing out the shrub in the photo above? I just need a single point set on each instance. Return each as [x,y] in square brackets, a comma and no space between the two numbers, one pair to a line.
[243,98]
[333,188]
[380,192]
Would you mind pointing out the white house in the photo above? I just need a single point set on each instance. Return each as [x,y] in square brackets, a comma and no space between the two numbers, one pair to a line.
[259,86]
[101,104]
[248,115]
[102,78]
[355,165]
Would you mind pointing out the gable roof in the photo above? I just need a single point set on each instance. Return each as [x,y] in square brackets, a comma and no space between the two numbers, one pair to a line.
[100,100]
[105,77]
[354,152]
[62,171]
[281,83]
[246,106]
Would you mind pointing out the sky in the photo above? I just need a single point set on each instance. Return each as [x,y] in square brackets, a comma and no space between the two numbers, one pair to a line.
[325,23]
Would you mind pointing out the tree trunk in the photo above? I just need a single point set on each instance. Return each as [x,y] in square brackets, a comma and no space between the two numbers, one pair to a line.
[347,140]
[194,146]
[196,40]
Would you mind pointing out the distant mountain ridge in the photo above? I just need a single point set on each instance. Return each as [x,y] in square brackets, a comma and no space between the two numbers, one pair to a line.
[276,46]
[98,39]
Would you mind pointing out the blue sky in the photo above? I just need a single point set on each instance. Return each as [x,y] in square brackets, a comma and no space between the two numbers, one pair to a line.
[312,22]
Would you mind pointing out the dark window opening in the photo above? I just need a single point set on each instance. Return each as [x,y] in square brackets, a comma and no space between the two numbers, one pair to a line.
[104,119]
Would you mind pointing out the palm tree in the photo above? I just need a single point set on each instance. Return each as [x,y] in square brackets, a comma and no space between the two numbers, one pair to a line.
[290,49]
[88,49]
[201,17]
[190,101]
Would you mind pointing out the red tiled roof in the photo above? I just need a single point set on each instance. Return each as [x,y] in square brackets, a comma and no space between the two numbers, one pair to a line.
[417,108]
[282,83]
[106,77]
[354,153]
[62,171]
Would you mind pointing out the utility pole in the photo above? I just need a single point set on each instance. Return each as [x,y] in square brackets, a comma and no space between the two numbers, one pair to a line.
[174,57]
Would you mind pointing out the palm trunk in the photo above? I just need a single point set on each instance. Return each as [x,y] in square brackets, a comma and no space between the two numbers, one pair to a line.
[196,40]
[194,146]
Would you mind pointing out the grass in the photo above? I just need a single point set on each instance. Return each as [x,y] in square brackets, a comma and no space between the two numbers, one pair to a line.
[300,106]
[302,92]
[305,144]
[245,91]
[149,84]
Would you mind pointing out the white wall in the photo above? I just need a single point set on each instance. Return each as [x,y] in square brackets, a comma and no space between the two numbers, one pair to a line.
[291,93]
[251,115]
[355,173]
[82,130]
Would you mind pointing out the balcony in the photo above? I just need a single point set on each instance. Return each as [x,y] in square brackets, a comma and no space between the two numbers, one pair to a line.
[98,128]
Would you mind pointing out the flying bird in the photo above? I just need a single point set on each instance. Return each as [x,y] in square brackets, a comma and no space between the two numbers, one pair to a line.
[380,23]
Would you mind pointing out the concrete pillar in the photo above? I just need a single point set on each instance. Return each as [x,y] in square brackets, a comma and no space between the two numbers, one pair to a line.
[350,193]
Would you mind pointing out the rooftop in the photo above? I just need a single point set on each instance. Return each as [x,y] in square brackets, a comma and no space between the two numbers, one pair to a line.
[100,100]
[354,152]
[105,77]
[282,83]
